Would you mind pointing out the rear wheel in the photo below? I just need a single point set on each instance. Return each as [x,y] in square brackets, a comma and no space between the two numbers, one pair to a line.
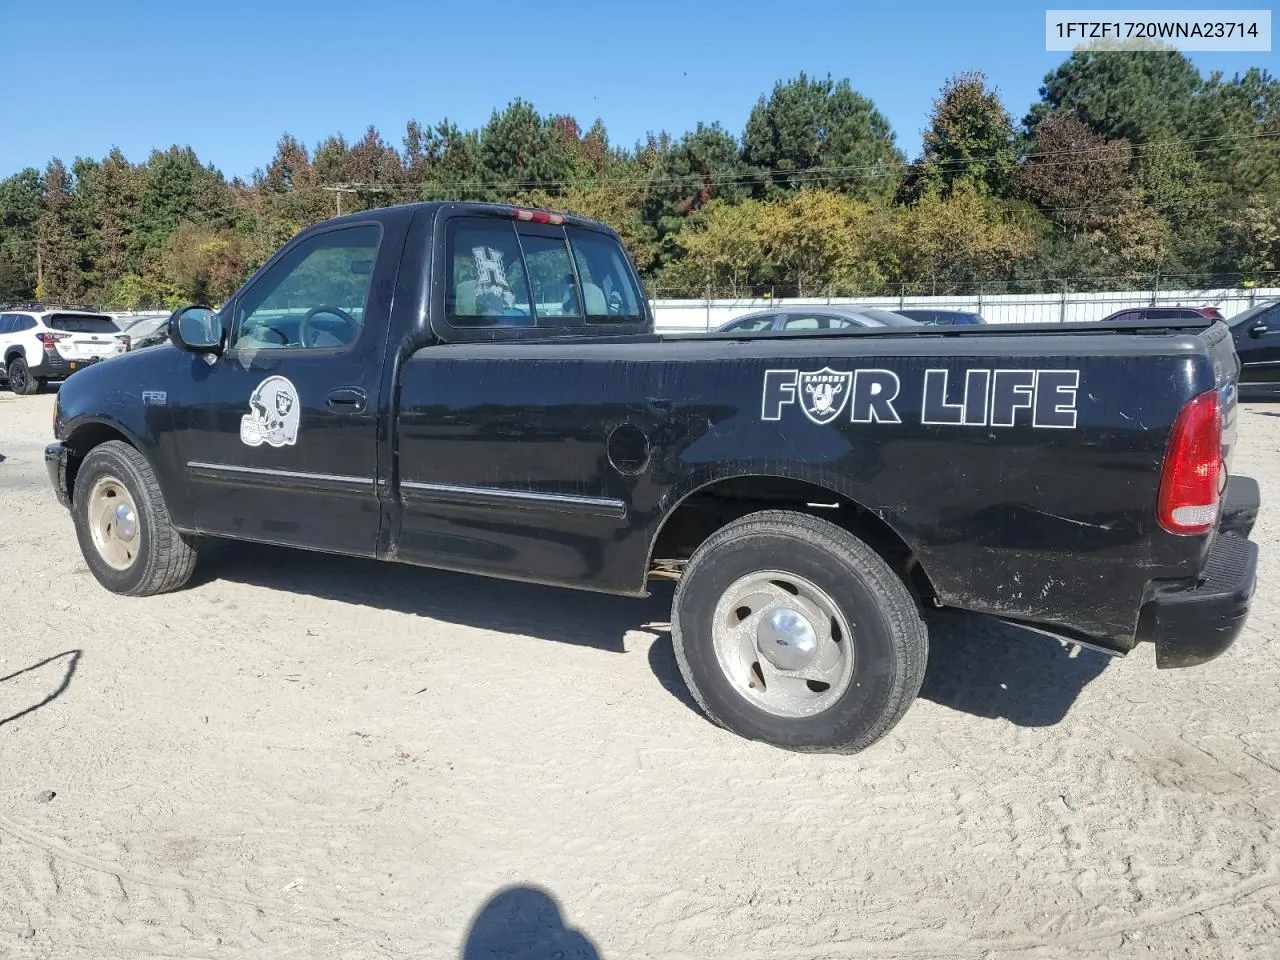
[21,381]
[790,630]
[123,525]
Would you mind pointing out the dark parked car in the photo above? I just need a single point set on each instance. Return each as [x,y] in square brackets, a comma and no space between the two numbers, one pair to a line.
[1164,313]
[1256,333]
[781,319]
[941,318]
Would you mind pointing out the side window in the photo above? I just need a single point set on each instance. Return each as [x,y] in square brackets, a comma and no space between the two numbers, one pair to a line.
[1270,318]
[607,284]
[752,323]
[815,322]
[312,299]
[555,292]
[22,324]
[486,283]
[6,323]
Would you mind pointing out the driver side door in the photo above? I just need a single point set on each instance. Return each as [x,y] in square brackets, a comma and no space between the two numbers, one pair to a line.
[278,436]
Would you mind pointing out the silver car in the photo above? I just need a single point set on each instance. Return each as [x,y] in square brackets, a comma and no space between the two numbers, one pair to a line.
[815,319]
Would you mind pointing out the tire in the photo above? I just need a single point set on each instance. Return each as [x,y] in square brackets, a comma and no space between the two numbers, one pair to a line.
[20,380]
[882,659]
[157,558]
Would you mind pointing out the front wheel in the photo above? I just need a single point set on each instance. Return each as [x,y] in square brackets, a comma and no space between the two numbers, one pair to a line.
[123,525]
[792,631]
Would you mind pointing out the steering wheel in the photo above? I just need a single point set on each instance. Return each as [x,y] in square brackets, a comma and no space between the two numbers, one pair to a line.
[305,328]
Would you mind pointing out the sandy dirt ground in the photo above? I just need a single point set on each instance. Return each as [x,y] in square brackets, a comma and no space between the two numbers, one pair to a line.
[304,756]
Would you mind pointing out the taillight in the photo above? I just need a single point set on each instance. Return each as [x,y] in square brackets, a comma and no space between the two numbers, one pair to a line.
[49,339]
[1192,481]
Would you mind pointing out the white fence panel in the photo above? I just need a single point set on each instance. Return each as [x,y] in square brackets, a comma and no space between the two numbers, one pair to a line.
[679,315]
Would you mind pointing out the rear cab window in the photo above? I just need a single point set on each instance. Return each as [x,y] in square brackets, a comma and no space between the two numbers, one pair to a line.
[511,273]
[81,323]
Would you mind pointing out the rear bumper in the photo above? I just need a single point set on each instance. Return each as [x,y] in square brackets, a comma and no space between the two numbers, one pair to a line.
[1191,622]
[58,367]
[55,462]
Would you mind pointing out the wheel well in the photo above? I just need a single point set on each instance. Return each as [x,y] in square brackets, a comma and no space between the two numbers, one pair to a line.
[11,353]
[82,440]
[709,508]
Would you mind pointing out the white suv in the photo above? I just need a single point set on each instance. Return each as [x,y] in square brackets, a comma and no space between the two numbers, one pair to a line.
[42,342]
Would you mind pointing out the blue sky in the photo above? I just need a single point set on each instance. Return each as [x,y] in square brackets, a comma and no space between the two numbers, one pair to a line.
[229,78]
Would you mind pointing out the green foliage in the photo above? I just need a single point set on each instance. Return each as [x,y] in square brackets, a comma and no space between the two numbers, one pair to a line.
[704,165]
[1174,187]
[961,238]
[21,197]
[134,292]
[521,150]
[970,139]
[1137,96]
[203,264]
[1254,236]
[1128,164]
[820,134]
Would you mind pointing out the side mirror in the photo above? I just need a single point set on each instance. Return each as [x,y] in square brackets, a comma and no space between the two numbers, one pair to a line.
[1257,330]
[196,329]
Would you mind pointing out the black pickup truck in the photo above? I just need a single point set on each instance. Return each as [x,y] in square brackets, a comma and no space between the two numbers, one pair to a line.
[480,388]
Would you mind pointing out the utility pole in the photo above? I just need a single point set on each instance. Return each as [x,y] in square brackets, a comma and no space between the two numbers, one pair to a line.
[338,189]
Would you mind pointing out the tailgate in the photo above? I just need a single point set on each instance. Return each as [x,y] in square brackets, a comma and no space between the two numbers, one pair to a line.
[83,346]
[86,336]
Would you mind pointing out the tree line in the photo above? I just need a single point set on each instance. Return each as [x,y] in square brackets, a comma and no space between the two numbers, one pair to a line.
[1129,165]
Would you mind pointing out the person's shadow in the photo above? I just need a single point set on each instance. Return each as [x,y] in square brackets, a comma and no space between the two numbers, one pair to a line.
[524,923]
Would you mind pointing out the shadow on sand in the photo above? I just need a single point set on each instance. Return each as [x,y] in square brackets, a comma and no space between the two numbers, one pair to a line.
[977,666]
[524,923]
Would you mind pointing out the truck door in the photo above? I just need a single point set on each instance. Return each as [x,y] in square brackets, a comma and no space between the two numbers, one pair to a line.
[1257,341]
[278,435]
[529,458]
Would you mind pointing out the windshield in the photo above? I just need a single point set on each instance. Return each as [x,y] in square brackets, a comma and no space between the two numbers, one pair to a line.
[81,323]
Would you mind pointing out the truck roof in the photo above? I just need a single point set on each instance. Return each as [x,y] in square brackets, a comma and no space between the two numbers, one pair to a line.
[465,207]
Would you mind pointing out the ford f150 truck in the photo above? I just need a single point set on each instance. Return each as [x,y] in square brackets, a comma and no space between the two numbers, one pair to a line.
[480,388]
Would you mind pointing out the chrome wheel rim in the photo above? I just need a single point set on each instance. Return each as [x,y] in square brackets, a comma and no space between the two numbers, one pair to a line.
[113,523]
[783,644]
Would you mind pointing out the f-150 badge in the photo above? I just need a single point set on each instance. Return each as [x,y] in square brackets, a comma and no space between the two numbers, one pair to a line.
[273,415]
[1044,399]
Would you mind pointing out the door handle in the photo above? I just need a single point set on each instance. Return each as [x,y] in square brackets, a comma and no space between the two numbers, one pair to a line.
[347,400]
[1258,329]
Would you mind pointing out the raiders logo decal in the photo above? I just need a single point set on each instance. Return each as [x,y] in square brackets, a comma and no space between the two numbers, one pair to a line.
[274,415]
